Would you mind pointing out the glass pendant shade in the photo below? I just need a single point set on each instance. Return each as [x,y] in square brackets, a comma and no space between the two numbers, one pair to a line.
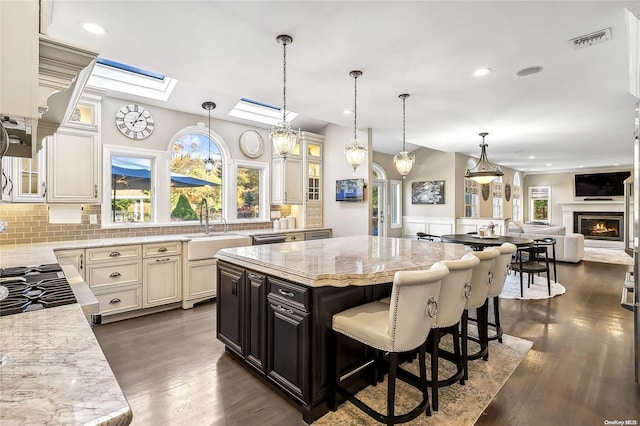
[484,171]
[208,162]
[403,161]
[283,138]
[355,150]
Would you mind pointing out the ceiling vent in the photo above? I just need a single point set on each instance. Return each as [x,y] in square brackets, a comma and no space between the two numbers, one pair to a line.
[591,39]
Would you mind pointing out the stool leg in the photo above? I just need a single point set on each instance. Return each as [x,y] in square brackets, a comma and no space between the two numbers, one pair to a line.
[391,388]
[333,342]
[455,331]
[483,328]
[435,353]
[423,377]
[463,339]
[496,317]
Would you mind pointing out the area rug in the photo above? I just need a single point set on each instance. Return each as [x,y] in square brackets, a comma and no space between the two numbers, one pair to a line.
[604,255]
[538,289]
[459,405]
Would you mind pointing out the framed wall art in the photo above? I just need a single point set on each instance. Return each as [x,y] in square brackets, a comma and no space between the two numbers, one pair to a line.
[429,192]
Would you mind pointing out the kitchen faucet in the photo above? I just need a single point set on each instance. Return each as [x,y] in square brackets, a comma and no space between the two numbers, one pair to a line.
[223,220]
[204,204]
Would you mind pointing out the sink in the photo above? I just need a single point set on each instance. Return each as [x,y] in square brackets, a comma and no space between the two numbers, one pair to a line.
[206,246]
[210,234]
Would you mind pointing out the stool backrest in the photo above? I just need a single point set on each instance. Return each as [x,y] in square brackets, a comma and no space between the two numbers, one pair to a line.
[501,268]
[481,277]
[455,289]
[414,306]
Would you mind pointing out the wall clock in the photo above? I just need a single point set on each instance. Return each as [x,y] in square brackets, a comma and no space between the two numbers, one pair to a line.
[251,144]
[134,121]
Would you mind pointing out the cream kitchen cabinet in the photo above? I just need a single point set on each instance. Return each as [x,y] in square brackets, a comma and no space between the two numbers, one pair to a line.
[72,167]
[23,179]
[115,276]
[162,274]
[73,257]
[286,181]
[199,281]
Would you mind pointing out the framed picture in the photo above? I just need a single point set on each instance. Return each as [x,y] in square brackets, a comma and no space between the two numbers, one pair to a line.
[429,192]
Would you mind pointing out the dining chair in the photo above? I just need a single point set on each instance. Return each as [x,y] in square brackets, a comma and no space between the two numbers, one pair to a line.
[428,237]
[531,260]
[549,242]
[395,328]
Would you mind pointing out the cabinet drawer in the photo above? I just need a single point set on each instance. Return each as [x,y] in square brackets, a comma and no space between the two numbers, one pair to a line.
[295,236]
[161,249]
[113,253]
[100,276]
[317,235]
[127,298]
[291,294]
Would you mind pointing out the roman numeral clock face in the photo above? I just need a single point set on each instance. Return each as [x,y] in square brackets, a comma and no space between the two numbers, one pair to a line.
[134,121]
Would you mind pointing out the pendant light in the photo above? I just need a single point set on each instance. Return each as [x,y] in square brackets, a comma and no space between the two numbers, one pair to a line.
[355,150]
[403,161]
[283,138]
[208,162]
[484,171]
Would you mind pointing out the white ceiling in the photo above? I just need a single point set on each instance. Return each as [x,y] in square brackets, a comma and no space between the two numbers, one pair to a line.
[576,112]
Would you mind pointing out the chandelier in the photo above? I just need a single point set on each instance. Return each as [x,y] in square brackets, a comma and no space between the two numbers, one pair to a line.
[403,161]
[355,150]
[484,171]
[283,138]
[208,162]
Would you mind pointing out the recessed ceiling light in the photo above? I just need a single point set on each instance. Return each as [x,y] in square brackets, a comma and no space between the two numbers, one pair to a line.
[616,164]
[481,72]
[549,164]
[532,157]
[347,111]
[528,71]
[94,28]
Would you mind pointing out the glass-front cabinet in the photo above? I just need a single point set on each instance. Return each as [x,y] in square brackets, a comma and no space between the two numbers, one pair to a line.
[23,178]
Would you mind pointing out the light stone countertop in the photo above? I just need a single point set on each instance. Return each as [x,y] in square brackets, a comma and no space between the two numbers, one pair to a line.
[56,372]
[339,262]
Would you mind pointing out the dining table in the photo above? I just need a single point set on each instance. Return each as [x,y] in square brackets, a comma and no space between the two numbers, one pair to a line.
[479,242]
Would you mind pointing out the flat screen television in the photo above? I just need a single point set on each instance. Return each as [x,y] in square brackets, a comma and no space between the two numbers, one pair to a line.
[350,190]
[600,184]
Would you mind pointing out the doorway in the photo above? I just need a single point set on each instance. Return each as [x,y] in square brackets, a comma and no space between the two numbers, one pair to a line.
[378,225]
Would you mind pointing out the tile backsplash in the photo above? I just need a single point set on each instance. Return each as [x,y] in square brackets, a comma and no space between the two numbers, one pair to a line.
[29,223]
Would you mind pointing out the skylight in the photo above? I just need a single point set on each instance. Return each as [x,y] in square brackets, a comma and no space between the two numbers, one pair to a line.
[260,112]
[128,79]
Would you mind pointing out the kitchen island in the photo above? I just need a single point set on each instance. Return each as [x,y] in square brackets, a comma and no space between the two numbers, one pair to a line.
[275,304]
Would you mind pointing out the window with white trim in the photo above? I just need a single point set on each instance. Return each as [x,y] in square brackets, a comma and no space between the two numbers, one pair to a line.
[496,191]
[516,206]
[471,194]
[540,204]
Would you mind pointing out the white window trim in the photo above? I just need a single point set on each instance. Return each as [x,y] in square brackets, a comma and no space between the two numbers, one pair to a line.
[231,205]
[398,202]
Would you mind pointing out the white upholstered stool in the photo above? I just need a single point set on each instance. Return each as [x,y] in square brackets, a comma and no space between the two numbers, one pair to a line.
[400,326]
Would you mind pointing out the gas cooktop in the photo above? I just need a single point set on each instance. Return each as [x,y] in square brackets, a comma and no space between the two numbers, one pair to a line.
[25,289]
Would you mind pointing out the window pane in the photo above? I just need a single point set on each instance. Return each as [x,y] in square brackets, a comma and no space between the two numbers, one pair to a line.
[248,193]
[191,182]
[130,189]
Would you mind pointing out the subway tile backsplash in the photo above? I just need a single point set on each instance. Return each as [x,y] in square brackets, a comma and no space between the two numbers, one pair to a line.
[29,223]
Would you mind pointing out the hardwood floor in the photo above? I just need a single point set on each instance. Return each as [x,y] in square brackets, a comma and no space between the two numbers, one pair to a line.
[173,371]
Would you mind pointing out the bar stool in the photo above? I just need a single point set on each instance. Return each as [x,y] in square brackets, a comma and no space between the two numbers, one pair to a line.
[400,326]
[454,292]
[481,279]
[500,272]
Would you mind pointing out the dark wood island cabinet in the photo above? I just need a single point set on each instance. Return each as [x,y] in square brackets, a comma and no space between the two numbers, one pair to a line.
[275,304]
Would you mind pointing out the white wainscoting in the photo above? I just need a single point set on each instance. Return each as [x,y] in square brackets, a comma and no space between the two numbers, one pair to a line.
[430,225]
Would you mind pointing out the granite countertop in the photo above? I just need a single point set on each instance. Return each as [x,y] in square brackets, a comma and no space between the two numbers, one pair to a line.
[56,373]
[338,262]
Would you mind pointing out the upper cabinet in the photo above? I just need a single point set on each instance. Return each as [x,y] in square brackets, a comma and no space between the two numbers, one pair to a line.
[286,180]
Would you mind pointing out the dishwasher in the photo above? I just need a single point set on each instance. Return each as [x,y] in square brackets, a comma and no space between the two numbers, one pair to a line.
[269,239]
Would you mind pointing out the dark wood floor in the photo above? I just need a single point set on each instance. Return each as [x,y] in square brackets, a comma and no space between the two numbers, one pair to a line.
[579,371]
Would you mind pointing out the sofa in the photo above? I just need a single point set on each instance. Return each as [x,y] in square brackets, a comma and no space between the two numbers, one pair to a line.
[569,246]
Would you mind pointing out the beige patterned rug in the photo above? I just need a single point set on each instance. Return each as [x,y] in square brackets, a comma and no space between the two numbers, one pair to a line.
[604,255]
[459,404]
[537,290]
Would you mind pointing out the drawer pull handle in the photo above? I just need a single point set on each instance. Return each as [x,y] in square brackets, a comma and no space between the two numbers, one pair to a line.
[114,301]
[289,311]
[115,275]
[162,249]
[254,276]
[293,237]
[114,254]
[163,260]
[285,293]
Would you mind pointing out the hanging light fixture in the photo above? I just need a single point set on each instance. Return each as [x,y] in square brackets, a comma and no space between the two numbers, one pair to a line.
[355,150]
[484,171]
[283,138]
[403,161]
[208,162]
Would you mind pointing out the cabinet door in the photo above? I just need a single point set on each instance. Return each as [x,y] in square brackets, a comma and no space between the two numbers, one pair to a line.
[6,178]
[286,181]
[72,172]
[257,320]
[200,279]
[288,340]
[72,257]
[229,307]
[28,177]
[162,281]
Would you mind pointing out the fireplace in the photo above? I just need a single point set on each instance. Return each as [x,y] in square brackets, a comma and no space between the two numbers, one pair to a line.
[599,225]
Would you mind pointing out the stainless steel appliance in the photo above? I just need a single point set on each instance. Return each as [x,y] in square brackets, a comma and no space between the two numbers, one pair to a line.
[25,289]
[269,239]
